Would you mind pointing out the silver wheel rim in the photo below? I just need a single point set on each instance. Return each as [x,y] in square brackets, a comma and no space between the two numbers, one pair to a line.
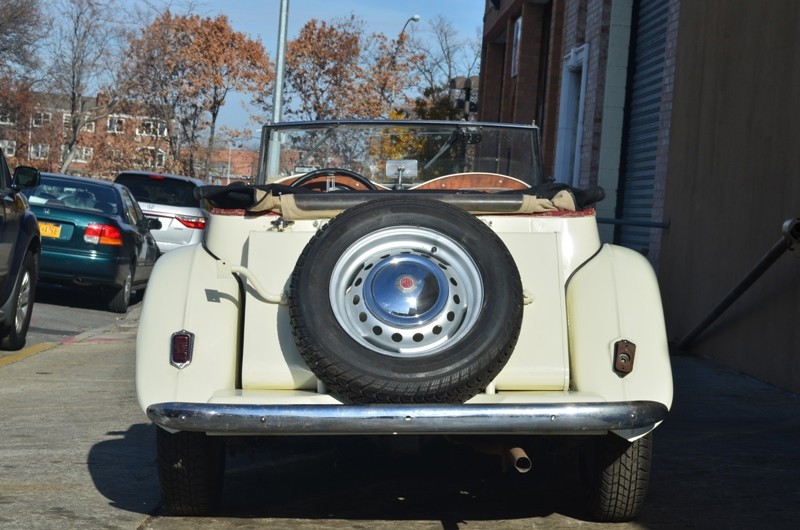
[126,289]
[23,301]
[406,291]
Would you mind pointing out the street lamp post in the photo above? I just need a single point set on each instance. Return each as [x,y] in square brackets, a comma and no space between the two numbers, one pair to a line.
[412,18]
[277,106]
[229,162]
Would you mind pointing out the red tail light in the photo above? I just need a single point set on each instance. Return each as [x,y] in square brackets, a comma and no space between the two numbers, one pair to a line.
[188,221]
[181,346]
[98,234]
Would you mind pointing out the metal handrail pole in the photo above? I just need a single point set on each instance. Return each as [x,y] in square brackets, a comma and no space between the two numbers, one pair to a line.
[790,237]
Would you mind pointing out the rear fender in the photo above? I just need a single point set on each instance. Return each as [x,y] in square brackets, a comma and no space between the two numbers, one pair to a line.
[615,296]
[185,293]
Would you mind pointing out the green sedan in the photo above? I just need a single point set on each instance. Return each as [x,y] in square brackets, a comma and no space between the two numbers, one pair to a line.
[93,235]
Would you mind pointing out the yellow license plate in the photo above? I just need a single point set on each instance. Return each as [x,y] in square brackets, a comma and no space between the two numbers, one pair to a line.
[49,229]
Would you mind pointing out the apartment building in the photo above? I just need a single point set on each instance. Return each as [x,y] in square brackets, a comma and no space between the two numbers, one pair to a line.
[38,135]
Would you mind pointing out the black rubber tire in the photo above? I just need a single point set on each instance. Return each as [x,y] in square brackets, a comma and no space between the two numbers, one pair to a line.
[23,296]
[618,474]
[191,471]
[121,297]
[452,372]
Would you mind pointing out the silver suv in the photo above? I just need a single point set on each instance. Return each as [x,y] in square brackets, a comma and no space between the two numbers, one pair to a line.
[170,199]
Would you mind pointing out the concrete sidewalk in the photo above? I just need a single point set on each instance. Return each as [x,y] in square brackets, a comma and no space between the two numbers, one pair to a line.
[77,452]
[75,449]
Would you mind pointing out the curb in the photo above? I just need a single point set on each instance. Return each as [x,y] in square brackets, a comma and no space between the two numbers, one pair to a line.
[24,353]
[30,351]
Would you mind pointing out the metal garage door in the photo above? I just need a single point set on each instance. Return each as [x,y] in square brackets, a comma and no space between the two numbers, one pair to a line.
[635,203]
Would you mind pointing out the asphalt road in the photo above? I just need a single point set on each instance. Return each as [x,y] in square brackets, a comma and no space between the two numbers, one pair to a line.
[60,313]
[76,452]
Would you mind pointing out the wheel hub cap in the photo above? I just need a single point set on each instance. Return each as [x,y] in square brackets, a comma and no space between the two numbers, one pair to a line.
[406,291]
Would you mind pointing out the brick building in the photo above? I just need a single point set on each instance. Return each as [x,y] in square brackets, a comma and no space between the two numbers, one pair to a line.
[108,143]
[233,164]
[127,138]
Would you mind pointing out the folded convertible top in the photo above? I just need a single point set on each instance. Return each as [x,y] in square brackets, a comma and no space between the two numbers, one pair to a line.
[298,203]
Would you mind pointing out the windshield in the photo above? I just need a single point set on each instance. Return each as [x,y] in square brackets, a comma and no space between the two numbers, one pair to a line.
[75,194]
[159,190]
[388,152]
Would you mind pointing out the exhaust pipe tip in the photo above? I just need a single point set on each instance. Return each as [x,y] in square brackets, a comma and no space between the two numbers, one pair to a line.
[519,460]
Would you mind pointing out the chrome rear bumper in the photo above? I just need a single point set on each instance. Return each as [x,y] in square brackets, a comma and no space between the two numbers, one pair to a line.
[549,418]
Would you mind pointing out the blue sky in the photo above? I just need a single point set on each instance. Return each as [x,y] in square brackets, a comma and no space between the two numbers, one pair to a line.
[259,19]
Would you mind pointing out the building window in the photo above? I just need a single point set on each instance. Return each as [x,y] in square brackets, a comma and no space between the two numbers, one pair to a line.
[570,116]
[150,157]
[40,151]
[9,147]
[152,128]
[41,118]
[83,154]
[7,119]
[515,47]
[116,125]
[86,127]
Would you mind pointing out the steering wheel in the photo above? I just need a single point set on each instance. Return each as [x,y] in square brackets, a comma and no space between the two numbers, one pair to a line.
[334,172]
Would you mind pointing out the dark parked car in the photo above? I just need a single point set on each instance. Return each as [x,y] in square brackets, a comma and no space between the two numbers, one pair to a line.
[94,235]
[169,198]
[19,255]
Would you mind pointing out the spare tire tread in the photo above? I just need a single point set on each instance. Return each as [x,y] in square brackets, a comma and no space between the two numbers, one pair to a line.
[416,381]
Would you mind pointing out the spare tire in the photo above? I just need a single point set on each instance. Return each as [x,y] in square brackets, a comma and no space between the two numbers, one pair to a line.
[405,300]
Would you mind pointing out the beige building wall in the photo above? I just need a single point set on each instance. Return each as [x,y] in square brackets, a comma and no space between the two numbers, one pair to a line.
[733,178]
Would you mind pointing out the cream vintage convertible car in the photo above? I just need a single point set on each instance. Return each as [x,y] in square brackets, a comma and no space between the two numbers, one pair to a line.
[399,279]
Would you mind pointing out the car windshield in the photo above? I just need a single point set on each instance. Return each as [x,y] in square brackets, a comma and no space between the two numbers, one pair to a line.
[412,152]
[159,189]
[54,191]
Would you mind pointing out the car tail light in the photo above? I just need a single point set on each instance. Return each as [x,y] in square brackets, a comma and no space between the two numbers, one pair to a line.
[98,234]
[192,222]
[181,346]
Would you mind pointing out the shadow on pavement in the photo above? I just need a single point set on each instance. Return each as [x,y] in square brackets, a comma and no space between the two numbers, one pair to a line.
[69,297]
[726,457]
[353,479]
[124,471]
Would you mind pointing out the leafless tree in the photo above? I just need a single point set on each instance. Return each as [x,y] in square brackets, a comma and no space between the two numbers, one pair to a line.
[441,55]
[21,29]
[84,59]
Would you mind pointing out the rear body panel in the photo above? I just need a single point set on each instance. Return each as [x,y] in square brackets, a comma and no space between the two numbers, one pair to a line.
[563,356]
[68,256]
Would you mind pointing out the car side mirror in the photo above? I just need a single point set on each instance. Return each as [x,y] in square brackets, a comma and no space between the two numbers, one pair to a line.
[153,224]
[25,177]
